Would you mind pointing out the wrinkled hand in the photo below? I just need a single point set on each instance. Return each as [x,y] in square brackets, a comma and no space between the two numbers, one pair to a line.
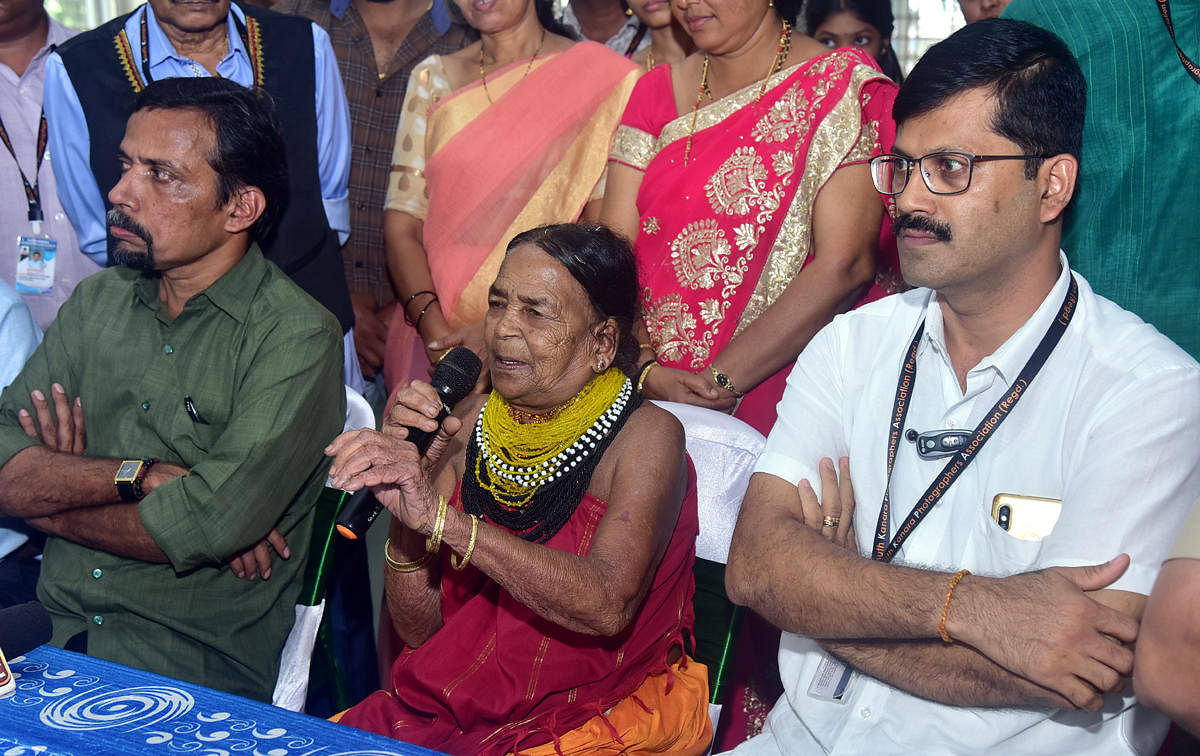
[390,465]
[68,435]
[675,385]
[256,560]
[370,332]
[837,502]
[1044,627]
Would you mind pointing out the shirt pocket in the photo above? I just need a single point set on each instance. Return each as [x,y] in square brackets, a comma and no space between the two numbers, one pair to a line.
[994,551]
[202,418]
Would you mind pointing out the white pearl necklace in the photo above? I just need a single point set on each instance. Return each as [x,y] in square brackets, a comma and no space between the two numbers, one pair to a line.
[563,462]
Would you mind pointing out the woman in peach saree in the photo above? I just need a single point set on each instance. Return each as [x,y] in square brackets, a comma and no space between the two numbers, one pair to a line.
[510,133]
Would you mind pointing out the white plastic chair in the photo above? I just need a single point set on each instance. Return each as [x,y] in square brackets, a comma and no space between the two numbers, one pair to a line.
[723,451]
[291,686]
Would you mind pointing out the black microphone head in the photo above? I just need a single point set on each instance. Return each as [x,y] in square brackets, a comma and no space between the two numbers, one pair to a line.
[23,628]
[456,374]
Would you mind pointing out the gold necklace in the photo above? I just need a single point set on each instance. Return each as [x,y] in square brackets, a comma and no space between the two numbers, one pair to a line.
[528,68]
[650,57]
[781,54]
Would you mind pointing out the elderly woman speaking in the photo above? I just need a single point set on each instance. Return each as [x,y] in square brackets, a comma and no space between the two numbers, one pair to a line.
[540,564]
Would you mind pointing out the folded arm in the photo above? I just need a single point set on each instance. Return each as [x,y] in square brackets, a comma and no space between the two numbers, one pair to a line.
[804,583]
[959,675]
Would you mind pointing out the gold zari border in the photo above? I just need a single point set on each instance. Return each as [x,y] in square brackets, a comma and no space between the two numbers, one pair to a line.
[833,142]
[632,146]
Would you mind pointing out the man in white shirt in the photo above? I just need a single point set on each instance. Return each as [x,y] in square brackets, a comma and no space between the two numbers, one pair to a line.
[1048,448]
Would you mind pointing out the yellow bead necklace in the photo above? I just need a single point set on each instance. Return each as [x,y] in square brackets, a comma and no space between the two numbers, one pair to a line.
[520,458]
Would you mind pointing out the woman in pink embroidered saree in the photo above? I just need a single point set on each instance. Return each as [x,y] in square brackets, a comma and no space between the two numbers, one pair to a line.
[507,134]
[754,215]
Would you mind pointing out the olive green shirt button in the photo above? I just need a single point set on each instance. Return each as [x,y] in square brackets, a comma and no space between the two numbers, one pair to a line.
[168,349]
[98,620]
[146,406]
[97,573]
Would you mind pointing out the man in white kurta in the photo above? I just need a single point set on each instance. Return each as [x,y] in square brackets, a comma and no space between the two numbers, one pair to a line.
[1026,653]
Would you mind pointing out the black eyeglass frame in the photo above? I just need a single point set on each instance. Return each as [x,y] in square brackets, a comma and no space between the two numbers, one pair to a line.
[970,159]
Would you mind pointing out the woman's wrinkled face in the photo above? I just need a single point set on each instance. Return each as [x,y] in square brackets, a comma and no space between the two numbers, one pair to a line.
[845,29]
[544,337]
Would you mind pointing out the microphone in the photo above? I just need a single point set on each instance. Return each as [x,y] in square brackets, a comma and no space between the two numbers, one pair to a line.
[453,378]
[23,628]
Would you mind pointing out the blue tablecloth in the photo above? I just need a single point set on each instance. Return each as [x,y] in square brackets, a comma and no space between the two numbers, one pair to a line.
[72,705]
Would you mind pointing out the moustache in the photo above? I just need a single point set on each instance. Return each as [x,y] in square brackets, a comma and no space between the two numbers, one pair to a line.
[119,219]
[910,222]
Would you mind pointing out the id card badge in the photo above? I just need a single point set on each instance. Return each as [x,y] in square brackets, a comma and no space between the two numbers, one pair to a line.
[36,258]
[833,681]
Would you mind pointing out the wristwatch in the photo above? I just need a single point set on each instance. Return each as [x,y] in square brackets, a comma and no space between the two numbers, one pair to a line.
[129,478]
[724,381]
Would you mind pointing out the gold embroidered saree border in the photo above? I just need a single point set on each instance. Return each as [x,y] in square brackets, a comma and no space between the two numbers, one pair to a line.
[633,147]
[833,142]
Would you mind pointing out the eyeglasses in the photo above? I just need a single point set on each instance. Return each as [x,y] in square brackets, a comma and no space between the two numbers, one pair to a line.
[943,172]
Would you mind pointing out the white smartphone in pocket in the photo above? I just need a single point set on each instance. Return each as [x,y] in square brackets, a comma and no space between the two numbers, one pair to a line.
[1030,518]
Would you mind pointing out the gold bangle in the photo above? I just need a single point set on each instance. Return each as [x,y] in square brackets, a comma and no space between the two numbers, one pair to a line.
[470,546]
[646,346]
[645,372]
[412,566]
[434,541]
[946,607]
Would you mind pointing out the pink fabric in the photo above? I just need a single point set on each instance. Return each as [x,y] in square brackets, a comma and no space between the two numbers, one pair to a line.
[483,177]
[497,676]
[676,199]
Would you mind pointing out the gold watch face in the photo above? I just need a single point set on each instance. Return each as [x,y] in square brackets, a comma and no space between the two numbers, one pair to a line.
[128,471]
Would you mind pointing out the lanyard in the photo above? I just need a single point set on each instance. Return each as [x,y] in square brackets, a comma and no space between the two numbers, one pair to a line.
[145,50]
[32,195]
[883,550]
[1164,7]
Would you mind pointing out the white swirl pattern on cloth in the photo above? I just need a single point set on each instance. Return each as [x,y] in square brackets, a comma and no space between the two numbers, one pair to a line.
[70,704]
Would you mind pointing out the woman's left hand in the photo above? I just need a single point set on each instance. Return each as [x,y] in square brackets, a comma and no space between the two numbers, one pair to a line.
[833,515]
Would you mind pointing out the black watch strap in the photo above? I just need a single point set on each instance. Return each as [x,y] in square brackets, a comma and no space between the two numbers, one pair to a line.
[129,478]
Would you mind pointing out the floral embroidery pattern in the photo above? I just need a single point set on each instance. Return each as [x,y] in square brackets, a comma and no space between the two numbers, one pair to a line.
[739,183]
[718,255]
[700,254]
[672,328]
[788,115]
[650,225]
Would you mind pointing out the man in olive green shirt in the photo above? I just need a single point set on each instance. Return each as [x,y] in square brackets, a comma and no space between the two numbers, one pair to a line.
[201,360]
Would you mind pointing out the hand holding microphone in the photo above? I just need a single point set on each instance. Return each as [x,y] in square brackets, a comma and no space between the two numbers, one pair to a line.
[453,379]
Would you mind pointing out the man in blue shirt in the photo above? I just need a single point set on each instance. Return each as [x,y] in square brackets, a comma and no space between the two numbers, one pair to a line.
[91,83]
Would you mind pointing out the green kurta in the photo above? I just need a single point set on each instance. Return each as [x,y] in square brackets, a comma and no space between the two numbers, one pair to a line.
[261,362]
[1134,232]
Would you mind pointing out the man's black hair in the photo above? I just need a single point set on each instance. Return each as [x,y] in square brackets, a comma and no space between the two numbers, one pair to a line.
[1040,91]
[249,146]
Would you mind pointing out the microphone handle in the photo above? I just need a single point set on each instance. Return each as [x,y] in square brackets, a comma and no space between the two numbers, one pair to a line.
[361,509]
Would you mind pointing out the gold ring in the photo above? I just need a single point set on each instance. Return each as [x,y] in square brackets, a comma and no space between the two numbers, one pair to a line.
[830,522]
